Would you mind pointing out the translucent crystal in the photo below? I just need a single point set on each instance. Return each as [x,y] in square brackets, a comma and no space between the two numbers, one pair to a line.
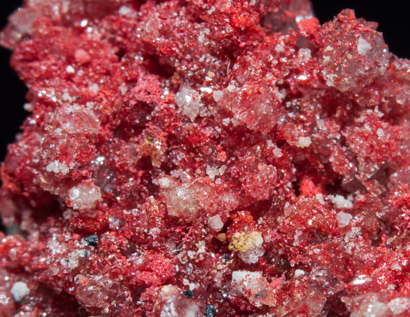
[84,196]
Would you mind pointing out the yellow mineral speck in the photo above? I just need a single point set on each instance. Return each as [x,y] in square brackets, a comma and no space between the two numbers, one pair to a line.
[243,242]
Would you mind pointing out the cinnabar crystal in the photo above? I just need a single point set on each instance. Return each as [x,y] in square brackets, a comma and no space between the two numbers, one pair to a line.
[205,158]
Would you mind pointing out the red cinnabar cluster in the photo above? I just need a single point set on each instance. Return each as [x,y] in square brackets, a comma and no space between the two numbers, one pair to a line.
[205,158]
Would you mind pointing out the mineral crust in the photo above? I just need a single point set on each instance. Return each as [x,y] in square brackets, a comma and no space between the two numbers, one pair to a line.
[205,158]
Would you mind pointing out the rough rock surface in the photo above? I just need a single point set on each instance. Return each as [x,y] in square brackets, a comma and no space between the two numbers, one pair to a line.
[205,158]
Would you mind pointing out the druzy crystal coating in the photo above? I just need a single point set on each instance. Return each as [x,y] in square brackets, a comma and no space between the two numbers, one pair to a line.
[205,158]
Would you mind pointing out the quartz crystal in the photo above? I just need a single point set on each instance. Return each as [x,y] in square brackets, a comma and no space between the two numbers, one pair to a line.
[205,158]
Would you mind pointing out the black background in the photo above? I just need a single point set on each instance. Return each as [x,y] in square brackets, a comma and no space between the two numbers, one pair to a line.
[392,16]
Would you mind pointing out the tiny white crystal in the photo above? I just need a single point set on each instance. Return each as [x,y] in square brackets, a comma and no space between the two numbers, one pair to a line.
[341,202]
[361,279]
[251,256]
[363,46]
[320,198]
[28,107]
[164,182]
[57,167]
[94,88]
[230,88]
[84,196]
[343,219]
[124,10]
[215,223]
[304,54]
[279,48]
[19,291]
[188,101]
[70,69]
[217,94]
[226,121]
[212,171]
[304,142]
[181,200]
[211,10]
[206,89]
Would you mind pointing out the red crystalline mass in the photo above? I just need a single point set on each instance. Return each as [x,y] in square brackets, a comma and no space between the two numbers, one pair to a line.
[205,158]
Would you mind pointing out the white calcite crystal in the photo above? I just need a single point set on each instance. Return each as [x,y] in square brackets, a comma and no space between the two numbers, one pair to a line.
[57,167]
[361,279]
[399,305]
[215,222]
[304,55]
[188,101]
[70,69]
[341,202]
[19,290]
[164,182]
[181,201]
[304,142]
[217,94]
[84,196]
[343,219]
[212,171]
[363,46]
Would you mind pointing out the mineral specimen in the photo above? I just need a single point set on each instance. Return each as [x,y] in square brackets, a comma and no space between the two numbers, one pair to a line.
[205,158]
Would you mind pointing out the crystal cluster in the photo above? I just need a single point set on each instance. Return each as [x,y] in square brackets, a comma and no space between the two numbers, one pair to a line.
[205,158]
